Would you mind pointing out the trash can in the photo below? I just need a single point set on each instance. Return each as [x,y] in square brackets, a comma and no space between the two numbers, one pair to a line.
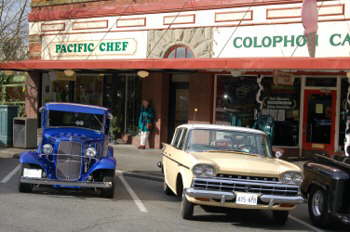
[7,113]
[25,132]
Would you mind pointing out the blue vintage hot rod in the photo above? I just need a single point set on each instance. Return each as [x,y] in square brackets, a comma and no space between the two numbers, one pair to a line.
[74,151]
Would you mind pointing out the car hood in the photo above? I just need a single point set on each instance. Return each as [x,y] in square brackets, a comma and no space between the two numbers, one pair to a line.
[242,164]
[72,134]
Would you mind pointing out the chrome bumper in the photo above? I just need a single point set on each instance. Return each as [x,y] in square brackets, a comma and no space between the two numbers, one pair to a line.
[272,199]
[224,196]
[82,184]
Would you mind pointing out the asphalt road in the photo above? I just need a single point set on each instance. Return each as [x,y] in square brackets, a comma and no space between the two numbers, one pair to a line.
[138,205]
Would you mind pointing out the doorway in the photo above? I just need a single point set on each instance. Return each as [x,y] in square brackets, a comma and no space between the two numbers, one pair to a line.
[178,102]
[319,119]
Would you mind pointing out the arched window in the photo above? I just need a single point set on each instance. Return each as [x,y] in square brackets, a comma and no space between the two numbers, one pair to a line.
[179,51]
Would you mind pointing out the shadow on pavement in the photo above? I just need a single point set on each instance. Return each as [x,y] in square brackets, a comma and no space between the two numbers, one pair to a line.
[248,218]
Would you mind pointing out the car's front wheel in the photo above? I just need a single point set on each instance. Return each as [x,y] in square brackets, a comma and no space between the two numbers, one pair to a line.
[108,192]
[280,217]
[186,208]
[24,187]
[318,207]
[166,189]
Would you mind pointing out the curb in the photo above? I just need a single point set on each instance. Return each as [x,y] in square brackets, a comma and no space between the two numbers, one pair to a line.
[9,155]
[16,156]
[141,176]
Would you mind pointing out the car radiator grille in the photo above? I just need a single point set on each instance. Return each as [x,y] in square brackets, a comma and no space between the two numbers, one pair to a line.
[241,177]
[68,162]
[245,185]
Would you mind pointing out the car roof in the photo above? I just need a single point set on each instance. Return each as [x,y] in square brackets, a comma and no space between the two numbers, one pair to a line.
[76,108]
[221,127]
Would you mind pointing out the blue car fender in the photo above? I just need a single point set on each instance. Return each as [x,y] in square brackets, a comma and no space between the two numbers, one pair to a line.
[32,157]
[104,163]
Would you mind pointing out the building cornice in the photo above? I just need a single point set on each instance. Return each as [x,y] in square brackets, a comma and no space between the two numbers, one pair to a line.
[91,8]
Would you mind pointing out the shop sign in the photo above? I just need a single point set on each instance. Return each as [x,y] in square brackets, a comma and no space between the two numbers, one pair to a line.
[125,46]
[336,39]
[280,103]
[95,46]
[332,40]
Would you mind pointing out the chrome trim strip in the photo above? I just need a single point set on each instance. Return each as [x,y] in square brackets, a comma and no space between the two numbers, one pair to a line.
[282,199]
[83,184]
[178,163]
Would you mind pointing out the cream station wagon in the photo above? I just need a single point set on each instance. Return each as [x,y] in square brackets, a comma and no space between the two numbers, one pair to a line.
[232,167]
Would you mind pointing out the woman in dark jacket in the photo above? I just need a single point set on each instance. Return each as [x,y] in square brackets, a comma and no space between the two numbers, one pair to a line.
[145,123]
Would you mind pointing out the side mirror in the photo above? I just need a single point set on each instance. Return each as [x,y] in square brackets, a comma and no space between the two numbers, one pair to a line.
[278,154]
[41,109]
[109,116]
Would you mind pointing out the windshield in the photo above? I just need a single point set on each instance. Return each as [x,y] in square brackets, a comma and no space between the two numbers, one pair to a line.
[225,140]
[71,119]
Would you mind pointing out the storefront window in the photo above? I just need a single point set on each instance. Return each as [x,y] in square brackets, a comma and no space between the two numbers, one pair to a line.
[119,92]
[122,94]
[56,87]
[282,102]
[89,89]
[236,105]
[235,100]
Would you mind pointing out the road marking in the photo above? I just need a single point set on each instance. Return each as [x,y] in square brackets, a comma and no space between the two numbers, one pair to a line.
[10,175]
[133,195]
[305,224]
[141,175]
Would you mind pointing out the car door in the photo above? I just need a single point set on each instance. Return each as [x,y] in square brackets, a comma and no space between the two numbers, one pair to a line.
[173,157]
[170,166]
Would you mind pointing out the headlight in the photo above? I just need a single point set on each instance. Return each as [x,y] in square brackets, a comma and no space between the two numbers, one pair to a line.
[47,149]
[203,170]
[294,178]
[90,152]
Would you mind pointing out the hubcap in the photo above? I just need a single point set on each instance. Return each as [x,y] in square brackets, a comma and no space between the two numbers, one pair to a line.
[317,203]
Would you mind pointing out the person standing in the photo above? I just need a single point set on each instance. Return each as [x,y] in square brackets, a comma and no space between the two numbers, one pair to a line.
[145,123]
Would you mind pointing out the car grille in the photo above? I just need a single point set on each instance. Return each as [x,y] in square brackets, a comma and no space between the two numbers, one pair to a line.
[275,179]
[68,162]
[245,185]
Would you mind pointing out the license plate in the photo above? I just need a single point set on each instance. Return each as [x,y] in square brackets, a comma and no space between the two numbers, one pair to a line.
[246,198]
[32,173]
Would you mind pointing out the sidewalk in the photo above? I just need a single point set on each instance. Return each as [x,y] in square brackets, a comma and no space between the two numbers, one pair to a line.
[11,152]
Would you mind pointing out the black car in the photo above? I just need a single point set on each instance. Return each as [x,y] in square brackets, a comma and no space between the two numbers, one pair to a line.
[327,187]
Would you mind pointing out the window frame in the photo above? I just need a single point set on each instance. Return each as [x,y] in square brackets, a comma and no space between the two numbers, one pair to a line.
[175,137]
[175,48]
[183,139]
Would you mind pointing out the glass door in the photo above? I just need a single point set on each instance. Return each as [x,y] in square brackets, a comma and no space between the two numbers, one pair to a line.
[319,120]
